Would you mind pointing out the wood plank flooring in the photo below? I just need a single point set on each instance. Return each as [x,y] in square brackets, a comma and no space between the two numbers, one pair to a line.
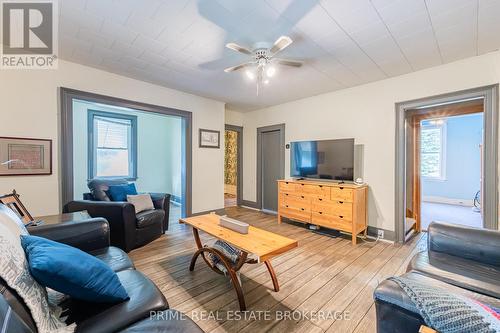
[326,283]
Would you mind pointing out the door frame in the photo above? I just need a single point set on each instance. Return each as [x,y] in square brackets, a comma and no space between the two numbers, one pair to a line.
[67,95]
[490,205]
[239,160]
[260,131]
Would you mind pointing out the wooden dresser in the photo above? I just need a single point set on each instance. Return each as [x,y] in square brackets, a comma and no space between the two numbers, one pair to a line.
[327,204]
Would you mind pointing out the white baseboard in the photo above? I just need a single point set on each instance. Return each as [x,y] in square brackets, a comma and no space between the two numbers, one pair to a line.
[449,201]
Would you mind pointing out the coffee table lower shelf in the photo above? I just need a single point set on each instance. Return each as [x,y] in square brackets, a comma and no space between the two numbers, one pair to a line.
[232,269]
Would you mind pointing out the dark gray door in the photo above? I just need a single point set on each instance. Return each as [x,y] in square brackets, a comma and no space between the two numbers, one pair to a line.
[271,169]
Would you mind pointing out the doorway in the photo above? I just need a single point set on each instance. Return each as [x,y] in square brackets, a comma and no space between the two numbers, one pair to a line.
[270,165]
[446,161]
[445,146]
[126,148]
[233,165]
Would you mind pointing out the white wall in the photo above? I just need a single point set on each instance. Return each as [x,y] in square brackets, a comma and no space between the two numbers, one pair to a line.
[30,108]
[366,113]
[234,117]
[158,149]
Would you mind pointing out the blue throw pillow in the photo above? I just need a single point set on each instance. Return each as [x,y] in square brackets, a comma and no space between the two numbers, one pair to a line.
[120,192]
[71,271]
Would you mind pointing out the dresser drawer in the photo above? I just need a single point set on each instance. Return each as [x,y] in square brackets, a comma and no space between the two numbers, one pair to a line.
[297,201]
[287,187]
[296,214]
[332,222]
[335,208]
[315,191]
[341,194]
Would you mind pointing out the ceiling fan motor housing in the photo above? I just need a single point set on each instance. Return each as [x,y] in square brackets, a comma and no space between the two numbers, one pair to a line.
[261,54]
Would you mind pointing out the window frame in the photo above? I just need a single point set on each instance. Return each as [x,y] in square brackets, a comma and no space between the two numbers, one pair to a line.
[443,128]
[92,144]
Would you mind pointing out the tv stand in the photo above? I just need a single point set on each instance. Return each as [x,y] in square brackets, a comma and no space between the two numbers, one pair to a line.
[338,206]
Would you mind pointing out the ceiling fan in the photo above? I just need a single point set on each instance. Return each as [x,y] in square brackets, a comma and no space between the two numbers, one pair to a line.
[261,67]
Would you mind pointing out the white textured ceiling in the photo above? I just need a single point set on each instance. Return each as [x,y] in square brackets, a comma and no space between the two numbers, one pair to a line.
[180,43]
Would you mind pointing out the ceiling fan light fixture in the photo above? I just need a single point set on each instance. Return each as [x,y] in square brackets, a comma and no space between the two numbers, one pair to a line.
[270,71]
[250,75]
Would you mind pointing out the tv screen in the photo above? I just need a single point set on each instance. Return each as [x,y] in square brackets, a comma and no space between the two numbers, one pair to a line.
[324,159]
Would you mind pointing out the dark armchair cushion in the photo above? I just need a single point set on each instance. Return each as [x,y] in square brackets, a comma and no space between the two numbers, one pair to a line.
[149,217]
[99,187]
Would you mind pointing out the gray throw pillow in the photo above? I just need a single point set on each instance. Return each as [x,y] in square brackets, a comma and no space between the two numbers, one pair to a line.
[141,202]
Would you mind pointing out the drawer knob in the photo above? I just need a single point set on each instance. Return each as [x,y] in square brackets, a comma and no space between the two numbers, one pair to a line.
[320,212]
[341,216]
[286,182]
[302,208]
[341,188]
[340,202]
[320,186]
[302,184]
[286,194]
[320,199]
[302,196]
[286,206]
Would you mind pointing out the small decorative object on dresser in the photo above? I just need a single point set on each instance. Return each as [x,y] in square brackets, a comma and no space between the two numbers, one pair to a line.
[209,138]
[13,202]
[24,157]
[338,206]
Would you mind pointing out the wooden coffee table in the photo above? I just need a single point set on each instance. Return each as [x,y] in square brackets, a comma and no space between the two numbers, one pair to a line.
[263,244]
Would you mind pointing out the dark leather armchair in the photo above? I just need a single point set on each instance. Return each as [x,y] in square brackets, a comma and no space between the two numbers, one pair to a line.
[460,259]
[128,229]
[133,315]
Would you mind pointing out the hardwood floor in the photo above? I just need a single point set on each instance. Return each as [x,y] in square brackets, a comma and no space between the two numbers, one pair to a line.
[326,283]
[229,200]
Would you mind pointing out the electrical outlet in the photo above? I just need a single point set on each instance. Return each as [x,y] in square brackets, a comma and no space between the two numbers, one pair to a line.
[380,233]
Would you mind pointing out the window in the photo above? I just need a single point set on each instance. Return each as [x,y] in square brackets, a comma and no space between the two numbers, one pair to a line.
[112,145]
[432,149]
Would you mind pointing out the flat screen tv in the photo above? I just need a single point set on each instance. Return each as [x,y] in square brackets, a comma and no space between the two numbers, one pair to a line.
[323,159]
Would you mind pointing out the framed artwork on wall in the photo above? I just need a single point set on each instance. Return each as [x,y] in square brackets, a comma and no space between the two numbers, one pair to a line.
[13,202]
[25,156]
[209,138]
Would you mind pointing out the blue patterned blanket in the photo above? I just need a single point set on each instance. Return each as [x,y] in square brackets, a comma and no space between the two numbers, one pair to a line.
[450,313]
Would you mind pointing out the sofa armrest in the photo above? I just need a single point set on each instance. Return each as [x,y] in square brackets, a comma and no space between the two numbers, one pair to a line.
[162,201]
[86,235]
[395,311]
[120,215]
[475,244]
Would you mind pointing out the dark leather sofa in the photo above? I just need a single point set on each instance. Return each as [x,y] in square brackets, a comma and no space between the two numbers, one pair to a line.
[462,260]
[128,229]
[130,316]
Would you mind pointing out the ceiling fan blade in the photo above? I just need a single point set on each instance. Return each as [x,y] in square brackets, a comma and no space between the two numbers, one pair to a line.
[280,44]
[288,62]
[235,68]
[238,48]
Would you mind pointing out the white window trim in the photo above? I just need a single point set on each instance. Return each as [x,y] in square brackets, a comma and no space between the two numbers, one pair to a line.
[442,173]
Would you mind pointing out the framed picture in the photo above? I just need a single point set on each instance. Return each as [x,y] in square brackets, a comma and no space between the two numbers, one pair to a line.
[209,138]
[24,156]
[13,202]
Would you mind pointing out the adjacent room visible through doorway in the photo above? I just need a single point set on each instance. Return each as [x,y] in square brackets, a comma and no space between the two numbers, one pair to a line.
[232,165]
[450,168]
[445,164]
[143,147]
